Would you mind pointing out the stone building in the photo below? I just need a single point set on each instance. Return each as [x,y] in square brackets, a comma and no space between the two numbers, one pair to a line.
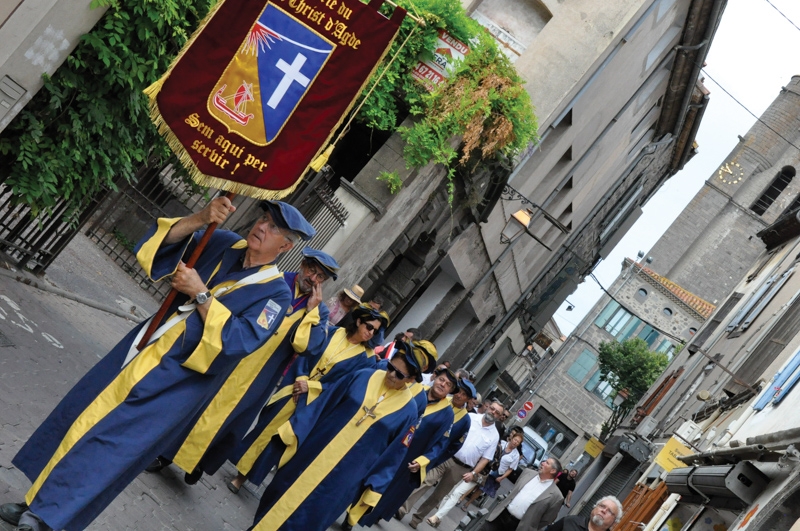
[712,243]
[572,396]
[736,243]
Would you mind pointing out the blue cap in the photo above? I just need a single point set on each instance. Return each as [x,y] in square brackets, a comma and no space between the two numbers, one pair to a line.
[365,312]
[325,261]
[288,217]
[404,349]
[468,388]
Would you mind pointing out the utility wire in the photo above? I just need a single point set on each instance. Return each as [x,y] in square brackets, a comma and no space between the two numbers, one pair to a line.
[743,106]
[782,14]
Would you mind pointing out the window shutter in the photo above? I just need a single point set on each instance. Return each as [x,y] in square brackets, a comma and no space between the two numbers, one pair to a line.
[779,382]
[776,287]
[754,298]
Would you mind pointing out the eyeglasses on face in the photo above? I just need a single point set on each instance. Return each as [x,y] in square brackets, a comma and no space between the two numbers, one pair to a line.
[313,272]
[271,226]
[370,328]
[392,368]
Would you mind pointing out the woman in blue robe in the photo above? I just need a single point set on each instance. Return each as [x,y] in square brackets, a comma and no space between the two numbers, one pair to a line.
[344,352]
[128,407]
[344,446]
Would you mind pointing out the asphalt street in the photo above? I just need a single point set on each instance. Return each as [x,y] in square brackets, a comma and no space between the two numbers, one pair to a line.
[47,342]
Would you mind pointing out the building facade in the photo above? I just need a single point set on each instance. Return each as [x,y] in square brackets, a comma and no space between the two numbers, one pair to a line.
[726,401]
[619,103]
[641,304]
[37,36]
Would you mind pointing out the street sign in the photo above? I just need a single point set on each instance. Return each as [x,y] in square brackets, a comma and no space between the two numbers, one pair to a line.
[528,406]
[522,413]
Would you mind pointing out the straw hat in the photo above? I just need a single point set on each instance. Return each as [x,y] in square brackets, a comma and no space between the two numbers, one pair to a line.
[355,293]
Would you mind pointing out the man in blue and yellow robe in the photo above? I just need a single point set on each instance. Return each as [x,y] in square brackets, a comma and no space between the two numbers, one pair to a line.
[128,408]
[430,439]
[229,415]
[344,446]
[461,404]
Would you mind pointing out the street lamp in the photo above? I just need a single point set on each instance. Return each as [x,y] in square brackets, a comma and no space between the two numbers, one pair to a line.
[515,226]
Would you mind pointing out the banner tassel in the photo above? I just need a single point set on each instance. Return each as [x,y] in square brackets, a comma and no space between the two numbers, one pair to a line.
[322,158]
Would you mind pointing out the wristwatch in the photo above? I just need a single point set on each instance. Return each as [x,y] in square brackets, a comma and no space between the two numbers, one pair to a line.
[202,298]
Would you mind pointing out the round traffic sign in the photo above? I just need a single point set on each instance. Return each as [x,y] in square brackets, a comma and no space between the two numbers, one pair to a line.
[528,406]
[522,413]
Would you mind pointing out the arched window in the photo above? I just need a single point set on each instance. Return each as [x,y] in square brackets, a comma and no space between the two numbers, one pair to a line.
[641,295]
[667,312]
[771,193]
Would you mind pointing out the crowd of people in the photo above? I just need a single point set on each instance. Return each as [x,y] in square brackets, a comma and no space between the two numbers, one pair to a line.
[250,366]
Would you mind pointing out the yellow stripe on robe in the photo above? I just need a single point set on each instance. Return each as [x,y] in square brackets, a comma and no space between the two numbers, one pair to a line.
[147,252]
[110,398]
[334,452]
[228,397]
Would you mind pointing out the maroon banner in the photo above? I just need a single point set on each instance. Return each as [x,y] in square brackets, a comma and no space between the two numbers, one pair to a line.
[257,93]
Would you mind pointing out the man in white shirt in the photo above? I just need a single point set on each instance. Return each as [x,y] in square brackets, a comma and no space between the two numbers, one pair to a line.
[533,503]
[475,454]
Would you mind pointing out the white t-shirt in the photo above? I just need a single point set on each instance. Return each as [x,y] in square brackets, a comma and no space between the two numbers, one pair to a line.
[508,460]
[481,441]
[529,494]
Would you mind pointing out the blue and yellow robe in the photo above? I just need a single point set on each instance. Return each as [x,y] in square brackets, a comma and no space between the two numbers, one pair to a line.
[458,434]
[333,452]
[321,367]
[431,437]
[128,408]
[230,414]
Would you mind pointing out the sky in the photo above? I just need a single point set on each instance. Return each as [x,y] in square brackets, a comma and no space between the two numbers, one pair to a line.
[754,53]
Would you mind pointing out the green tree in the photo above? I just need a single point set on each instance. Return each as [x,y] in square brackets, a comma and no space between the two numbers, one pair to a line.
[631,368]
[91,122]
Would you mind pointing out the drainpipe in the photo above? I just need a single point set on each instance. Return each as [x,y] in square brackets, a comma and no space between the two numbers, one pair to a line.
[661,515]
[731,430]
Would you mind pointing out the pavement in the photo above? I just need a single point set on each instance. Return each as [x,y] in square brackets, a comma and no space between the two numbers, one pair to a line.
[48,340]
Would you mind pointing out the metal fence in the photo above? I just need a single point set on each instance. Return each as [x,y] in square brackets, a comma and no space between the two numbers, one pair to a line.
[31,240]
[125,215]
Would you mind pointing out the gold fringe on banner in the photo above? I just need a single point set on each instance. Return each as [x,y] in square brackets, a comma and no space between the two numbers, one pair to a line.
[319,160]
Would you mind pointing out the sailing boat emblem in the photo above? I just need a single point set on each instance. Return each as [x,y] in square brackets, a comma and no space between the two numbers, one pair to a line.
[240,98]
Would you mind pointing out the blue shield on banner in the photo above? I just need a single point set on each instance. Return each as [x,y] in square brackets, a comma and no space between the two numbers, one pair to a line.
[287,69]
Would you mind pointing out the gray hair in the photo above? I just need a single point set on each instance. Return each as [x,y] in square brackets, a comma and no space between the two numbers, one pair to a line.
[292,236]
[462,373]
[616,502]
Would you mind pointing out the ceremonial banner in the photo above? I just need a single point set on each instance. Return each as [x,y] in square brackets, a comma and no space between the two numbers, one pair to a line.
[262,85]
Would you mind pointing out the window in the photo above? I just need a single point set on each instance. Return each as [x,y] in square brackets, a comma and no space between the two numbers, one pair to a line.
[666,347]
[756,303]
[667,312]
[771,193]
[649,334]
[629,329]
[716,319]
[617,322]
[606,314]
[548,426]
[641,294]
[581,367]
[600,388]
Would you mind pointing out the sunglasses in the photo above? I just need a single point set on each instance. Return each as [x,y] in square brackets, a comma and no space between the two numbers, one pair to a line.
[370,328]
[392,368]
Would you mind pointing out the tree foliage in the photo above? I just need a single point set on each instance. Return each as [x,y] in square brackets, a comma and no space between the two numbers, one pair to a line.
[630,365]
[483,101]
[90,122]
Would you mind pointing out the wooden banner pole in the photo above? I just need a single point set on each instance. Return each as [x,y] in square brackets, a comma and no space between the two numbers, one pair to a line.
[159,316]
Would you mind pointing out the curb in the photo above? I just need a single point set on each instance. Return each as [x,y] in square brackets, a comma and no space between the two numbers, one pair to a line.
[35,283]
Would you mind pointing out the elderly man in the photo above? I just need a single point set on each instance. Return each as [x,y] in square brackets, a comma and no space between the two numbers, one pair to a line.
[129,407]
[475,454]
[533,502]
[606,512]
